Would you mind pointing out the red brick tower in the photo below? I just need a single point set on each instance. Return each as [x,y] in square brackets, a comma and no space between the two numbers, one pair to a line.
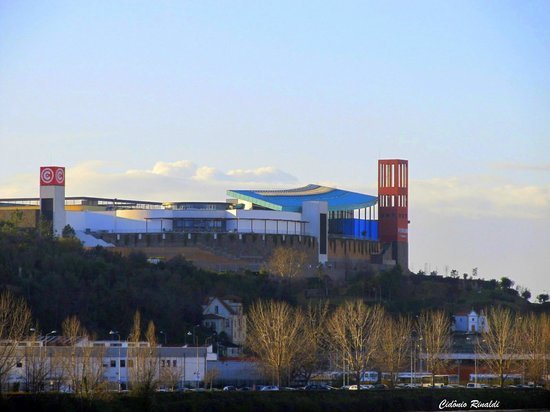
[393,208]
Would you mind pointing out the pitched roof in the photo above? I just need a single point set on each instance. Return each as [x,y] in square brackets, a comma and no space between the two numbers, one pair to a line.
[224,304]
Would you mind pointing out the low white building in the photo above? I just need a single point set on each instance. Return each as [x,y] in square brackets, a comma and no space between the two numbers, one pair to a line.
[182,366]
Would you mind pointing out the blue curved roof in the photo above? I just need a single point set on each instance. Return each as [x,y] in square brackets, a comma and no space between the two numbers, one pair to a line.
[290,200]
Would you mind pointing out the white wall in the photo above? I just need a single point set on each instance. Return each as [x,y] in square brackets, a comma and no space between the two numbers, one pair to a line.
[134,221]
[311,213]
[57,193]
[245,225]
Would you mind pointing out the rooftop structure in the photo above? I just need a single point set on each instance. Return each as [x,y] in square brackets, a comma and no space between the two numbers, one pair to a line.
[291,200]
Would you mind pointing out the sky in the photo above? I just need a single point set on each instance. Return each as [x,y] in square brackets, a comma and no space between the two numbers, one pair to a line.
[182,100]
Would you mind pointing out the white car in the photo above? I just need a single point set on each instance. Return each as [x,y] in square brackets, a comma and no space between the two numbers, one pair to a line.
[362,387]
[270,388]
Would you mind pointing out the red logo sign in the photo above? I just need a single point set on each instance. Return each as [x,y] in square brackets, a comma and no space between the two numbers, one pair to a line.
[52,176]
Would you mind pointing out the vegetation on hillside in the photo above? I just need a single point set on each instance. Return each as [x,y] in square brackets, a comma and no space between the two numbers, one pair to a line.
[59,278]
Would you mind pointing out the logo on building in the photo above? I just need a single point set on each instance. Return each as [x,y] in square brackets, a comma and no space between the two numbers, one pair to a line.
[52,176]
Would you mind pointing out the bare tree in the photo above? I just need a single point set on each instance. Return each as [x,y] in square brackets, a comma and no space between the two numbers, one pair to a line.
[210,376]
[276,336]
[313,347]
[545,325]
[143,357]
[394,348]
[499,343]
[354,330]
[435,331]
[287,263]
[533,331]
[15,321]
[170,374]
[83,363]
[36,365]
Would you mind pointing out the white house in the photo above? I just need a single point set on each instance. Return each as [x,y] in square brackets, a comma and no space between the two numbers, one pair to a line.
[470,322]
[225,315]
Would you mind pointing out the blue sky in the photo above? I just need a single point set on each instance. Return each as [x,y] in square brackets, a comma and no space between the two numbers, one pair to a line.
[169,100]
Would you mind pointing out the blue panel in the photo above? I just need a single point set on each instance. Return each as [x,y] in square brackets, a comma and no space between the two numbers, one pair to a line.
[291,200]
[355,228]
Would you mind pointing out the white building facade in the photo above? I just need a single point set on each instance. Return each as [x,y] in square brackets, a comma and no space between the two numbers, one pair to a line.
[470,322]
[225,315]
[112,362]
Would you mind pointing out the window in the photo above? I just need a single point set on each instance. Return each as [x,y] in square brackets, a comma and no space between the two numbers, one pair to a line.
[216,310]
[123,363]
[130,363]
[174,363]
[19,364]
[162,363]
[113,363]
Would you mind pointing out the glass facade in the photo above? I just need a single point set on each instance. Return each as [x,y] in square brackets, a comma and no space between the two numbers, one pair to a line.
[199,225]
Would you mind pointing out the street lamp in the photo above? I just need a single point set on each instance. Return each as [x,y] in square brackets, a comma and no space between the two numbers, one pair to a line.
[413,344]
[211,338]
[165,336]
[53,332]
[195,341]
[115,332]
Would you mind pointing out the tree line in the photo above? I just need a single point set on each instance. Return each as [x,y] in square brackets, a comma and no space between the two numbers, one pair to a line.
[74,363]
[292,343]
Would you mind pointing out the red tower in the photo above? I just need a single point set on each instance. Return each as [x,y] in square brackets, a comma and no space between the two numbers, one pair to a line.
[393,207]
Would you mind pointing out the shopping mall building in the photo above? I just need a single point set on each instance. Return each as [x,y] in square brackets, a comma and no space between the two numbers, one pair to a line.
[341,231]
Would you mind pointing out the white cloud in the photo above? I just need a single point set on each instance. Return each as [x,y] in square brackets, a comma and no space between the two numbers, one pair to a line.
[206,173]
[480,196]
[180,180]
[180,168]
[261,174]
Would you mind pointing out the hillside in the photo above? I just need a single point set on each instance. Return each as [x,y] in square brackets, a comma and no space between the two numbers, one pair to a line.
[60,278]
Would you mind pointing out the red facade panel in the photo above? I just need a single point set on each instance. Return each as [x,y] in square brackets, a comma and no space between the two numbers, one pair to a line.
[52,176]
[393,200]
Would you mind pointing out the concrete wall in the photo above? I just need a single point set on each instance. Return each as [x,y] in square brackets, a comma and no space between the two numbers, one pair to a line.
[57,193]
[235,252]
[237,372]
[220,252]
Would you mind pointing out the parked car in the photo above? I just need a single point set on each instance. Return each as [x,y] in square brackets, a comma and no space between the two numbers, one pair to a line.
[472,385]
[229,388]
[318,387]
[245,389]
[362,387]
[270,388]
